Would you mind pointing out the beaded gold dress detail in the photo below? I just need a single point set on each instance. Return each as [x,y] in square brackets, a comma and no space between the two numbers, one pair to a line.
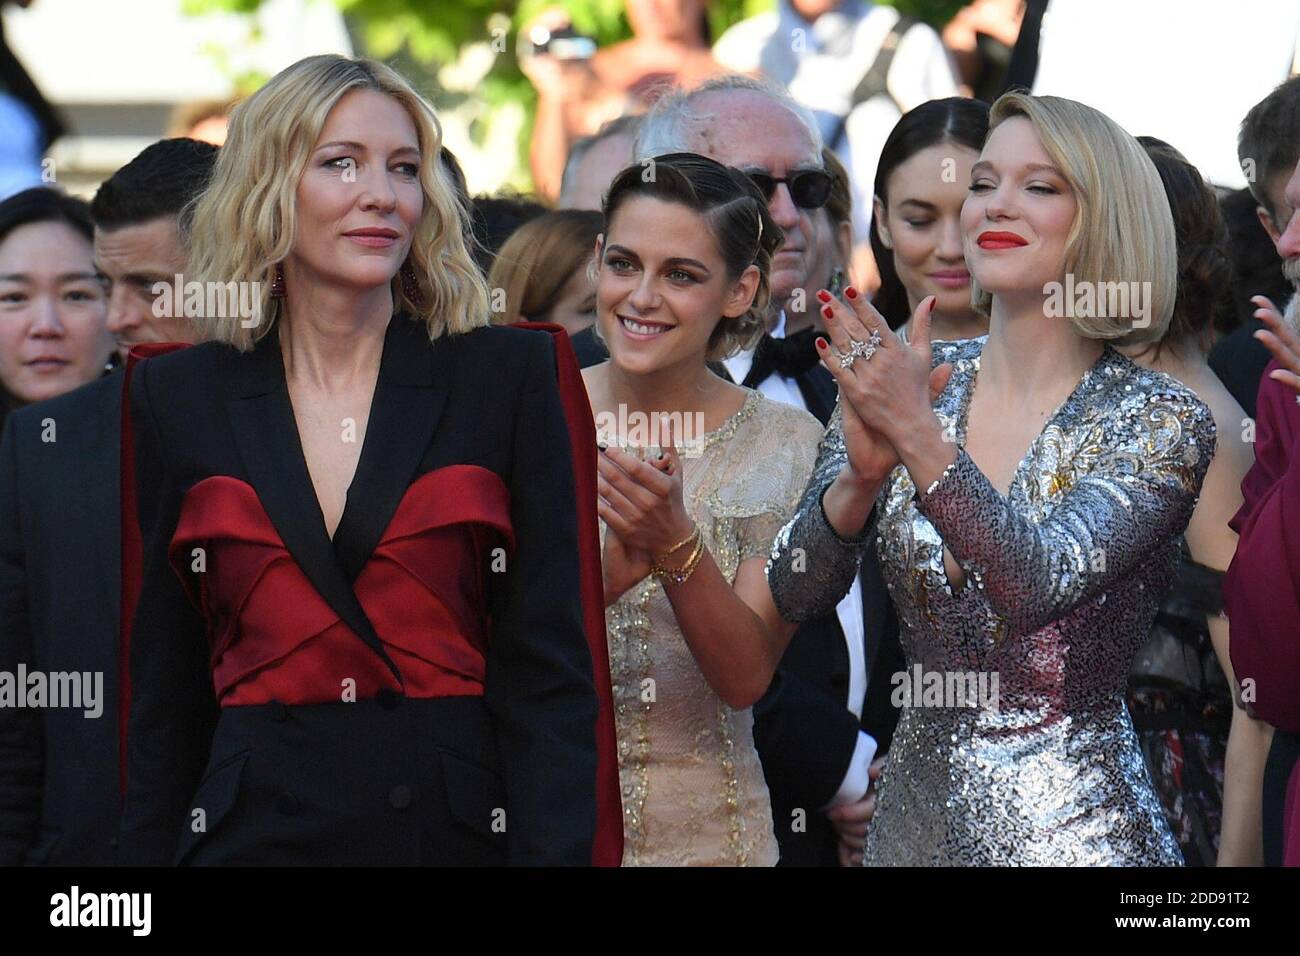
[693,787]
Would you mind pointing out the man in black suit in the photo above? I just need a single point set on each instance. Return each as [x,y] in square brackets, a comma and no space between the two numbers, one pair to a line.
[818,728]
[60,533]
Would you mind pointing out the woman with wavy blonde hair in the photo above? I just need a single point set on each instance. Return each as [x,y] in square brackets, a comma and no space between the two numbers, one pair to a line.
[359,638]
[1028,521]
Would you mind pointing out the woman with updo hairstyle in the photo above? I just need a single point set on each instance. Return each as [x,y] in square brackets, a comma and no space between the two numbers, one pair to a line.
[1026,491]
[1206,756]
[541,271]
[359,638]
[922,181]
[696,476]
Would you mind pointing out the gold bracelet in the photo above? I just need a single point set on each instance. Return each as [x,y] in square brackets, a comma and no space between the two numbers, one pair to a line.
[680,575]
[685,541]
[693,537]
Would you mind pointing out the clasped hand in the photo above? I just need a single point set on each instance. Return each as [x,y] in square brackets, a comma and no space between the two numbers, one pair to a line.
[887,398]
[642,506]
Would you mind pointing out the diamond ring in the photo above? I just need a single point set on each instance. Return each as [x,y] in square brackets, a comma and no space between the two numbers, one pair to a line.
[860,350]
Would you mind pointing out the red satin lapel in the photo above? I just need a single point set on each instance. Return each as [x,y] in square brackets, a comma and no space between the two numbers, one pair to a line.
[607,849]
[132,547]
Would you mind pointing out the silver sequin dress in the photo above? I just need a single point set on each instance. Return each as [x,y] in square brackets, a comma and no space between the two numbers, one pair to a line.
[1063,580]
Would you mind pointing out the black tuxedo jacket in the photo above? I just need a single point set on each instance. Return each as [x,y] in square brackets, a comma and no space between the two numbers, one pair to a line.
[60,595]
[803,728]
[486,398]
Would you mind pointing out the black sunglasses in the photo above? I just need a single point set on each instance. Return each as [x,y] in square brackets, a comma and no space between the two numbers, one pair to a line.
[809,188]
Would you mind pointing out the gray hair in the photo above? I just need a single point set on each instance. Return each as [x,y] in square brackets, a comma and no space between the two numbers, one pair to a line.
[619,126]
[671,125]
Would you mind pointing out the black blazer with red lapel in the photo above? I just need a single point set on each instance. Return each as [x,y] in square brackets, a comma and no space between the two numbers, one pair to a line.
[486,397]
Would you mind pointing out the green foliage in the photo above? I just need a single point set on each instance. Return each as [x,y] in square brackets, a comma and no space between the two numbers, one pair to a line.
[934,12]
[419,36]
[432,31]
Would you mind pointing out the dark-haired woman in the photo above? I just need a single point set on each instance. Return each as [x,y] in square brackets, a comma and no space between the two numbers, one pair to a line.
[53,336]
[682,280]
[1180,700]
[921,182]
[56,510]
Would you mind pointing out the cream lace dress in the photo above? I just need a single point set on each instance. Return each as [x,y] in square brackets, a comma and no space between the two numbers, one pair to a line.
[693,787]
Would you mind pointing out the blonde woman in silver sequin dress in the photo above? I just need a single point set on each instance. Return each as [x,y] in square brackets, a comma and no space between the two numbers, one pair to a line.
[1028,521]
[694,635]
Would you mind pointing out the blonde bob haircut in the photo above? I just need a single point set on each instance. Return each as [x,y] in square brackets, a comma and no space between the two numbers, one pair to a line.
[1123,230]
[244,223]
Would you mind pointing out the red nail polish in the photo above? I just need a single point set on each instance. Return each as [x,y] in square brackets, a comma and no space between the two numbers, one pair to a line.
[851,292]
[824,295]
[822,344]
[933,302]
[828,312]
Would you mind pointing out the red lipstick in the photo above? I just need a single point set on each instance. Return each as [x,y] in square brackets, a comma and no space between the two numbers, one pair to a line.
[1000,240]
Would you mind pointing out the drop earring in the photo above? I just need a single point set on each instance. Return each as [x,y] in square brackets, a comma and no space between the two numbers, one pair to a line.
[837,281]
[277,282]
[411,285]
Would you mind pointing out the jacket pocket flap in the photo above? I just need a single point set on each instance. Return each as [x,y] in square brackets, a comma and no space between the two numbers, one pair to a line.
[476,795]
[212,802]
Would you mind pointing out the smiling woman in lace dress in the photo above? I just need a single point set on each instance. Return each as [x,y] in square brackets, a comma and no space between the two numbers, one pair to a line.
[682,279]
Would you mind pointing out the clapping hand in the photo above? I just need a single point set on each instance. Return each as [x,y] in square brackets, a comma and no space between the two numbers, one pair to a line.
[887,391]
[623,567]
[644,512]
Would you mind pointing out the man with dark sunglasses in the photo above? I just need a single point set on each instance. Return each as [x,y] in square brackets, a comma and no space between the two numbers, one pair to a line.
[813,730]
[758,129]
[809,188]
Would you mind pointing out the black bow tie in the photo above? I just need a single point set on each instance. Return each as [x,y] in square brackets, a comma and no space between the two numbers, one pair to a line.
[789,357]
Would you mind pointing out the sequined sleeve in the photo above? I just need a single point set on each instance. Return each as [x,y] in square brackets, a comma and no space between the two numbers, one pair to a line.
[1139,493]
[811,567]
